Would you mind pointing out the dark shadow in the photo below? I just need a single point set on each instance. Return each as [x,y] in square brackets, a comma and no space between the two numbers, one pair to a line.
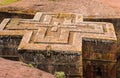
[98,72]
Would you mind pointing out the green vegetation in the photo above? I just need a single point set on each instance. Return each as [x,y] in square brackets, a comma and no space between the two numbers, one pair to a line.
[30,65]
[59,75]
[4,2]
[52,0]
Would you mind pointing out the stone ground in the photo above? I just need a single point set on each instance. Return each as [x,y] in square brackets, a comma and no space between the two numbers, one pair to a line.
[86,7]
[112,3]
[13,69]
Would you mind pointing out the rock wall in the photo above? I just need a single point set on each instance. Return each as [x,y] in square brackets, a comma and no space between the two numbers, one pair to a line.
[53,61]
[9,46]
[116,23]
[99,59]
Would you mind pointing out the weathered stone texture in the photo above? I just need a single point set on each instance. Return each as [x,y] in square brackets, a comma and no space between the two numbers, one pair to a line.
[100,58]
[65,34]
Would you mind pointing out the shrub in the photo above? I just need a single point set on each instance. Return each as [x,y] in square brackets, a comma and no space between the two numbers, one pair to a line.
[59,75]
[7,2]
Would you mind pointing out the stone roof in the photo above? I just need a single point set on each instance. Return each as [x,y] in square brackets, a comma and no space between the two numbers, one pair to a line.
[56,32]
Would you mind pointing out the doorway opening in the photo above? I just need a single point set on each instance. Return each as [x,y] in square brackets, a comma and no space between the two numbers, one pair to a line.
[98,72]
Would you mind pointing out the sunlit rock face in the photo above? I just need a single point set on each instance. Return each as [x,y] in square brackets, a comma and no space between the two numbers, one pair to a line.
[61,42]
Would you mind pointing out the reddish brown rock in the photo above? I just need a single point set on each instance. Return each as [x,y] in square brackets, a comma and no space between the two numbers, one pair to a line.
[13,69]
[85,7]
[112,3]
[62,42]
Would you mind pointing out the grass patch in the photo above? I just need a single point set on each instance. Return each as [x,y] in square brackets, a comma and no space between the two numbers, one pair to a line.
[59,75]
[51,0]
[4,2]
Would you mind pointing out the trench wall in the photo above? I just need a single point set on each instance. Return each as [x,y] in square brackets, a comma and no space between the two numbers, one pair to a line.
[9,47]
[116,23]
[53,61]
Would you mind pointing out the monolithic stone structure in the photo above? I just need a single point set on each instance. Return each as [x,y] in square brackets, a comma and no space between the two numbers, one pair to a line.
[61,42]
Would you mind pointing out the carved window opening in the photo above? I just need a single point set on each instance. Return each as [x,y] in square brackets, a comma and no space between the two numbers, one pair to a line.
[98,72]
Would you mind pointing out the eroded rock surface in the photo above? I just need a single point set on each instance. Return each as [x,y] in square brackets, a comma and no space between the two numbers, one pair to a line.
[85,7]
[13,69]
